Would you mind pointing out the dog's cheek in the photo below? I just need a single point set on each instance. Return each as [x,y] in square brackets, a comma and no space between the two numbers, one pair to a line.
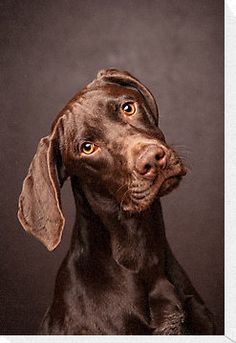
[116,183]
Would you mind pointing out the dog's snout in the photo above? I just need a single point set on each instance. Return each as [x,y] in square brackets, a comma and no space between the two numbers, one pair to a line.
[150,160]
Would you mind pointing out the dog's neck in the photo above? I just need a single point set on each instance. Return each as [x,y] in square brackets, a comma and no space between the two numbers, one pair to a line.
[134,240]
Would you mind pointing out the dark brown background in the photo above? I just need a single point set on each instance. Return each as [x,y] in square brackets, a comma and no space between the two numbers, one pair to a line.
[49,51]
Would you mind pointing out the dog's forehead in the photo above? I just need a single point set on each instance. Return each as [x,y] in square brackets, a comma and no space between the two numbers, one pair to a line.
[94,111]
[110,92]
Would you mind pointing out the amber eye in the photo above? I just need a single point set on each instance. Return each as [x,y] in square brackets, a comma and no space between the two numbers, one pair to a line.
[129,108]
[88,148]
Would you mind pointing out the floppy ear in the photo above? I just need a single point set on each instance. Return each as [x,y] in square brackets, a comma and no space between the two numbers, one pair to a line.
[39,204]
[123,78]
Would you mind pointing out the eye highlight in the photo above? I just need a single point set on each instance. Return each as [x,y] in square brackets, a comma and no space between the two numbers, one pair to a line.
[128,108]
[88,148]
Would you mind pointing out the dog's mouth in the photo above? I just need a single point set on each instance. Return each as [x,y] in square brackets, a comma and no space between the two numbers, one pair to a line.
[169,184]
[142,193]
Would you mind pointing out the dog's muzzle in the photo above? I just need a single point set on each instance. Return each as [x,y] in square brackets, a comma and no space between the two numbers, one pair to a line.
[157,171]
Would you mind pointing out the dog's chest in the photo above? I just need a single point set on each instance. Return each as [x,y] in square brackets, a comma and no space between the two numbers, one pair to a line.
[114,305]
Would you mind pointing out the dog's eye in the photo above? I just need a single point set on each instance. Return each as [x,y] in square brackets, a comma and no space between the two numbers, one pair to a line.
[129,108]
[88,148]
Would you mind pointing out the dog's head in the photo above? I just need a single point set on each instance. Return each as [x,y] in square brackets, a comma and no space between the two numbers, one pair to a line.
[108,136]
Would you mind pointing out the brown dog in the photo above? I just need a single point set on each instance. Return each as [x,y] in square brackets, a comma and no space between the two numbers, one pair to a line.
[119,276]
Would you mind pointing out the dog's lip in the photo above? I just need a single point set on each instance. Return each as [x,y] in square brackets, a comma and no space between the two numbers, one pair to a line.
[176,171]
[182,172]
[137,190]
[149,193]
[159,180]
[175,175]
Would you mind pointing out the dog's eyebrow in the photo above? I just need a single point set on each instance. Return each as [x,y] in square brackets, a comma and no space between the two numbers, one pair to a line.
[93,132]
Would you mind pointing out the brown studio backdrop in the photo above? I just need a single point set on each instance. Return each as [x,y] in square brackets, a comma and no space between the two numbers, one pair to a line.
[49,51]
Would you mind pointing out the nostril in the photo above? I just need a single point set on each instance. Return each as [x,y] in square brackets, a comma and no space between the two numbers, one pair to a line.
[147,167]
[161,158]
[151,160]
[159,154]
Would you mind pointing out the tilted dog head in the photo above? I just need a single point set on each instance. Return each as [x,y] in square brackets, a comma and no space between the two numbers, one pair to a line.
[107,136]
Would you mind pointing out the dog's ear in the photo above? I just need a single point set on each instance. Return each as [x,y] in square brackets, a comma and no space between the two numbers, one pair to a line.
[39,204]
[124,78]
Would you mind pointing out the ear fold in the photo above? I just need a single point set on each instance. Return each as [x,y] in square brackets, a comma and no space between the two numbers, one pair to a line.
[125,79]
[39,204]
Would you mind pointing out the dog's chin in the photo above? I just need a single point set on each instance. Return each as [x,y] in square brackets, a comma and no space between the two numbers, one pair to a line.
[159,188]
[169,185]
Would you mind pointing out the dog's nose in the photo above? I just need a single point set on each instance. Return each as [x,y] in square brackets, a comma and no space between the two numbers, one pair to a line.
[150,160]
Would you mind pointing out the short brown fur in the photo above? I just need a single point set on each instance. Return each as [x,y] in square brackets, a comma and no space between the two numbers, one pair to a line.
[119,276]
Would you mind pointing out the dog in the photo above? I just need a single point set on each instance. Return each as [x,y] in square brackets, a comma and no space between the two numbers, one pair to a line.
[119,276]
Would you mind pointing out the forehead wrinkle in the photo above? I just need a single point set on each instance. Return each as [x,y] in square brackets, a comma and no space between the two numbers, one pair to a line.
[93,131]
[113,92]
[98,108]
[104,100]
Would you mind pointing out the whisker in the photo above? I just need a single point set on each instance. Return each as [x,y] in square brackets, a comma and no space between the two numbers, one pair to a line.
[181,148]
[123,197]
[189,169]
[120,188]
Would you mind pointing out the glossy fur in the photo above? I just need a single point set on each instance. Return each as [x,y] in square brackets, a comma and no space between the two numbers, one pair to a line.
[119,276]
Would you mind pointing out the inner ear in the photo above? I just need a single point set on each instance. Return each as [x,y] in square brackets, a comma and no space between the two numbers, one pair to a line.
[40,210]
